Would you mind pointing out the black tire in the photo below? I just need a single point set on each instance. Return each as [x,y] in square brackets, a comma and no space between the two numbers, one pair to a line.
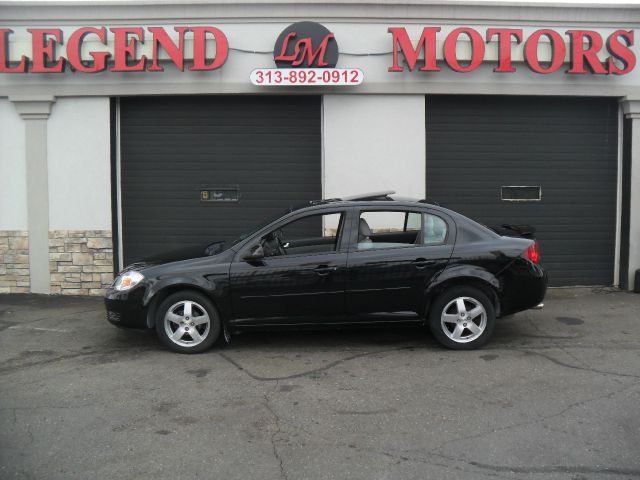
[447,303]
[199,304]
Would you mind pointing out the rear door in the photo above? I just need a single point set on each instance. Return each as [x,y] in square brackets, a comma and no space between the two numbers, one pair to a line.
[390,268]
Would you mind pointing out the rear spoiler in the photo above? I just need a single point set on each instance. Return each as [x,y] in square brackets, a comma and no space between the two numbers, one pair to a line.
[510,230]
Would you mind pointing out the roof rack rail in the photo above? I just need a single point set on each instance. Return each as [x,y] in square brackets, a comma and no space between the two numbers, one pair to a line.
[430,202]
[383,195]
[326,200]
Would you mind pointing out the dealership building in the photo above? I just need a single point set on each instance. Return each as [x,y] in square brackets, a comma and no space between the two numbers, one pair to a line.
[128,128]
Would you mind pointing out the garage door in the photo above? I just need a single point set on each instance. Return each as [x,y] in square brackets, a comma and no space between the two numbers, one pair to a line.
[482,150]
[199,169]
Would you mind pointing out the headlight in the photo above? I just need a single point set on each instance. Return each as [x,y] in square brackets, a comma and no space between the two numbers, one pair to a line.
[127,280]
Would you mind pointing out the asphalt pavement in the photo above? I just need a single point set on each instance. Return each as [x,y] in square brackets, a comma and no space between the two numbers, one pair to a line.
[554,395]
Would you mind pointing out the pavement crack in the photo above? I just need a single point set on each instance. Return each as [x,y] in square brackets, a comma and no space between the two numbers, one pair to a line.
[4,325]
[41,407]
[11,365]
[275,434]
[570,469]
[48,317]
[534,421]
[311,371]
[575,367]
[399,458]
[381,411]
[543,334]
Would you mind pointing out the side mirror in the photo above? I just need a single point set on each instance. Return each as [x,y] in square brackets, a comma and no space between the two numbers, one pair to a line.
[255,253]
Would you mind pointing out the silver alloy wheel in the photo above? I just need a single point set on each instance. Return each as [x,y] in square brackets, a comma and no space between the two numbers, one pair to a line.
[187,323]
[463,319]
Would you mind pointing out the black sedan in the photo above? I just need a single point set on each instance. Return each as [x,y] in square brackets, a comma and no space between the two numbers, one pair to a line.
[375,259]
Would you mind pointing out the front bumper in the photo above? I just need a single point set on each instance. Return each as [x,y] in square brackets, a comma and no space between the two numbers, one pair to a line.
[126,309]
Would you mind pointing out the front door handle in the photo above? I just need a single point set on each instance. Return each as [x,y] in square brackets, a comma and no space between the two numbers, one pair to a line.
[324,270]
[421,263]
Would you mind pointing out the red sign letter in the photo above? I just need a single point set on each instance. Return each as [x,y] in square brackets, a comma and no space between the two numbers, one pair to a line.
[74,50]
[477,49]
[504,46]
[283,51]
[578,53]
[621,52]
[427,41]
[558,51]
[176,53]
[4,54]
[44,50]
[125,49]
[308,52]
[304,49]
[200,50]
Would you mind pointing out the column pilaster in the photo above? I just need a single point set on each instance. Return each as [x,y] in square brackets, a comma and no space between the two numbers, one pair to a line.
[631,190]
[34,111]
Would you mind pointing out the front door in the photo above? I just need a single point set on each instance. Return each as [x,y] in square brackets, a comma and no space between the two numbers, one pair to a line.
[395,256]
[301,278]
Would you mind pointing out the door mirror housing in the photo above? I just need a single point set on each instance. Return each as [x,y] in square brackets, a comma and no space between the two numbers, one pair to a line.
[255,253]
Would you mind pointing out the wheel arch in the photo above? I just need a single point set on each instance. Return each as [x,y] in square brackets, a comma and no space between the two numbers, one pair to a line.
[159,295]
[479,278]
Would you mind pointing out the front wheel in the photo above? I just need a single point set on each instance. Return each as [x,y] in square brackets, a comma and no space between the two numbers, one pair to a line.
[187,322]
[462,318]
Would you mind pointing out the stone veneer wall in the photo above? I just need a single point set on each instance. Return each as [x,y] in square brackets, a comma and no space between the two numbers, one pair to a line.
[14,261]
[80,261]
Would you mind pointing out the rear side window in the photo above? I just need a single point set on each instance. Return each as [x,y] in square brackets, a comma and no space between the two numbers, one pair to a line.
[434,230]
[388,229]
[394,229]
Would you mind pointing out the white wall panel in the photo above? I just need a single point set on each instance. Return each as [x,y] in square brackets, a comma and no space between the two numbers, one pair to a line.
[13,180]
[79,164]
[372,143]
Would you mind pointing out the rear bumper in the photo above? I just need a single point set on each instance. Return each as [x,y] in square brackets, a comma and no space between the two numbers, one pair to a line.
[126,309]
[524,286]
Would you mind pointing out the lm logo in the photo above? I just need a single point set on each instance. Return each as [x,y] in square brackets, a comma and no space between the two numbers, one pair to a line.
[306,45]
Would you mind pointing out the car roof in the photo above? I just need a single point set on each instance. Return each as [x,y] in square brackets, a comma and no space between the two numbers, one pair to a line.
[384,198]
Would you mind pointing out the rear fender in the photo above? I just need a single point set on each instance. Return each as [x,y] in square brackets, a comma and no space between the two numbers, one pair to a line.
[465,274]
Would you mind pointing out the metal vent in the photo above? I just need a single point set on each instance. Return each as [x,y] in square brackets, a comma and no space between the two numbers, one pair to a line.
[519,193]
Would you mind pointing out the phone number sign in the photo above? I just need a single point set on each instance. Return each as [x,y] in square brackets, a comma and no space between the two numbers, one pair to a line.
[307,76]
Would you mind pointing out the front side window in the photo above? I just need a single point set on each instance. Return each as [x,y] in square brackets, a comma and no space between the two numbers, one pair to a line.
[305,236]
[394,229]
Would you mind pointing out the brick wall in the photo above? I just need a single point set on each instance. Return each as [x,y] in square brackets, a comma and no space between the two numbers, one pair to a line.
[14,261]
[80,261]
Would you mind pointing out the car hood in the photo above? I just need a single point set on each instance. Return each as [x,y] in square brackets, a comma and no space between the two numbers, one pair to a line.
[177,255]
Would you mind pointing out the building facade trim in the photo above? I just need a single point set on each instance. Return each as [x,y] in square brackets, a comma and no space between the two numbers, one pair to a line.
[631,109]
[66,12]
[35,111]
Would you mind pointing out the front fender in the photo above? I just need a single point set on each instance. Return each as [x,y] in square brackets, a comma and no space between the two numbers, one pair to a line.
[157,285]
[216,287]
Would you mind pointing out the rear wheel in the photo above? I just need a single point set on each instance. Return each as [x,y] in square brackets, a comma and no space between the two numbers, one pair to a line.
[462,318]
[187,322]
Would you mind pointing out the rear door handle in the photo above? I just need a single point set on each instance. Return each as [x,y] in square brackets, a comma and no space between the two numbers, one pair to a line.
[324,270]
[421,263]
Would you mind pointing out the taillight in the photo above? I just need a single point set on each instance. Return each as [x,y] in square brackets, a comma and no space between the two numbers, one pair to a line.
[533,253]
